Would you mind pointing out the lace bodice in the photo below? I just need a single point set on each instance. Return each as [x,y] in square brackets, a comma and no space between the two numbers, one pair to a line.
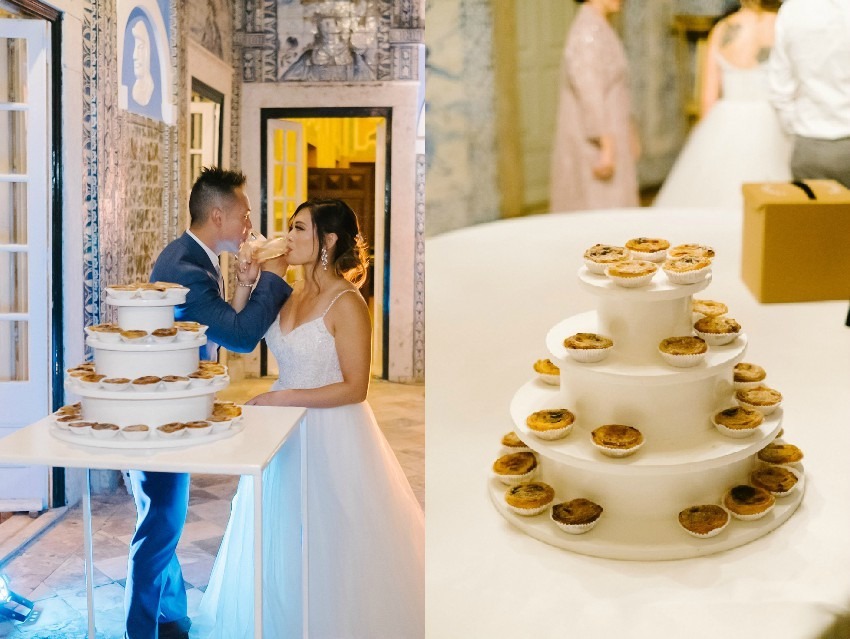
[743,83]
[306,356]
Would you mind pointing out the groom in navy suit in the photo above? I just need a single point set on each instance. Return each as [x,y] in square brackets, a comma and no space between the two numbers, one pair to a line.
[155,598]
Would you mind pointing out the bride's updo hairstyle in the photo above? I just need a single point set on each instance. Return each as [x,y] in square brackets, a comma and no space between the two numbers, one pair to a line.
[349,257]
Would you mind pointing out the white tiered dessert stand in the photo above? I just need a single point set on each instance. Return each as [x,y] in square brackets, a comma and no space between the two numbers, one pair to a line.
[685,461]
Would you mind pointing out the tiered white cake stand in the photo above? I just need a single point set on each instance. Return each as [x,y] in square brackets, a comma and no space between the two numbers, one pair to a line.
[684,462]
[132,360]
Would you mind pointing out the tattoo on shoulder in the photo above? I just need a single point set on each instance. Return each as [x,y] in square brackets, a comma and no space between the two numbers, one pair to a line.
[729,34]
[763,54]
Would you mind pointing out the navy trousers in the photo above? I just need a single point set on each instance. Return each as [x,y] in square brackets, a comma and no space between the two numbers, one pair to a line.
[155,593]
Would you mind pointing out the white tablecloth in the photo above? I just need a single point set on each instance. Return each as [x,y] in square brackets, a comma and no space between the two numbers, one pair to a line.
[493,291]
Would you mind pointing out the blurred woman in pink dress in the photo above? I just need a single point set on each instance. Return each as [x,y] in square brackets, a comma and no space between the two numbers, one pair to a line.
[596,147]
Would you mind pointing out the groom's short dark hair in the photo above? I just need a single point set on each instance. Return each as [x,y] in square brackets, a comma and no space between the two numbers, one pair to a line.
[212,184]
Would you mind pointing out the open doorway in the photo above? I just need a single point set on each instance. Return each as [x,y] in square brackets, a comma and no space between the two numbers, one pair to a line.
[206,125]
[333,153]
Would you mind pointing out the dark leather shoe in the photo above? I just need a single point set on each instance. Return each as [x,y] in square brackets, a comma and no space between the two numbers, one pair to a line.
[175,629]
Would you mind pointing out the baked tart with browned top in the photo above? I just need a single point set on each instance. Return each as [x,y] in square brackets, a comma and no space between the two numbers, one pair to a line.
[632,273]
[780,454]
[588,347]
[717,331]
[775,479]
[598,256]
[683,351]
[745,372]
[738,418]
[515,467]
[648,248]
[617,440]
[709,308]
[547,371]
[512,440]
[530,498]
[695,250]
[748,502]
[576,516]
[760,398]
[705,520]
[689,269]
[552,423]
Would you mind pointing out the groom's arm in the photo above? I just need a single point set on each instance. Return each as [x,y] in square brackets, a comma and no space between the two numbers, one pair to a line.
[240,331]
[781,79]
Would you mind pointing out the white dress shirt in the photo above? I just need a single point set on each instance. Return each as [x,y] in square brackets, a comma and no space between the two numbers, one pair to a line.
[809,69]
[213,258]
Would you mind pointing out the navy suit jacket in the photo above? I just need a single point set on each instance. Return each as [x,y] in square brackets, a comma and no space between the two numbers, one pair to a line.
[184,261]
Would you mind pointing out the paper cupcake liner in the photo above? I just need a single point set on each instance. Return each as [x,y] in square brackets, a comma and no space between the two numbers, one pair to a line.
[588,355]
[119,294]
[574,529]
[507,450]
[135,435]
[630,282]
[717,339]
[163,339]
[198,432]
[513,480]
[651,256]
[528,512]
[104,434]
[711,533]
[687,277]
[178,385]
[552,433]
[682,361]
[548,378]
[115,387]
[618,452]
[746,385]
[764,410]
[172,435]
[218,427]
[84,431]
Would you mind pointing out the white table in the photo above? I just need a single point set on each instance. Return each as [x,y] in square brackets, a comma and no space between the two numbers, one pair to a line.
[265,429]
[493,292]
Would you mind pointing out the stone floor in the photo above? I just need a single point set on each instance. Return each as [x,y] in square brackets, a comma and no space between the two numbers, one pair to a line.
[50,569]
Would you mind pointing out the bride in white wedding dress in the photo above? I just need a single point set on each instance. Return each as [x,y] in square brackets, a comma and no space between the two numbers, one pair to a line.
[739,138]
[364,528]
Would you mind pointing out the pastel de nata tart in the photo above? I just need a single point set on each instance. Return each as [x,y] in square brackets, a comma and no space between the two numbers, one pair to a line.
[172,429]
[547,371]
[146,383]
[80,427]
[690,250]
[683,351]
[576,516]
[513,443]
[106,332]
[134,336]
[588,347]
[104,431]
[748,502]
[515,468]
[777,480]
[780,453]
[122,291]
[529,499]
[198,427]
[705,520]
[135,432]
[689,269]
[201,378]
[598,256]
[220,423]
[70,409]
[759,398]
[226,408]
[737,421]
[617,440]
[91,379]
[552,423]
[746,375]
[717,331]
[653,249]
[709,308]
[631,274]
[115,383]
[176,382]
[164,335]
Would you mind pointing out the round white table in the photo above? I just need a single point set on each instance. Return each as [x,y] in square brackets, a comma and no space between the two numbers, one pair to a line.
[493,292]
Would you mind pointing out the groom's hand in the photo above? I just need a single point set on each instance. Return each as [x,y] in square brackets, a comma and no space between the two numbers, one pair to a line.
[277,265]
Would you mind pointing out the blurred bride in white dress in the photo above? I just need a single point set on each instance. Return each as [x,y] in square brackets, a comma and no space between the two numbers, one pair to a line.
[364,529]
[739,138]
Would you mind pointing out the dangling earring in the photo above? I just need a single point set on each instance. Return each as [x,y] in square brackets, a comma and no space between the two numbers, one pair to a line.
[324,258]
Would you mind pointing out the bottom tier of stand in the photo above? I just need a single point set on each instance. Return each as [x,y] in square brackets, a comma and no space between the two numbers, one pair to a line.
[644,539]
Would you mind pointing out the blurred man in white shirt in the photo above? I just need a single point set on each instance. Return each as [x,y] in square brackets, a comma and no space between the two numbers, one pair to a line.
[809,77]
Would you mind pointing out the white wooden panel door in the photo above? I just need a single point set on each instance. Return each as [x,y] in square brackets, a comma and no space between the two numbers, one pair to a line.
[203,136]
[541,32]
[286,181]
[24,249]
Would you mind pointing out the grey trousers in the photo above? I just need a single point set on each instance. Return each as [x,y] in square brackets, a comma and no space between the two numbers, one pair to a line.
[816,159]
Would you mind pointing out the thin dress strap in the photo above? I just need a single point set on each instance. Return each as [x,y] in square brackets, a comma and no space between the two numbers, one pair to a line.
[348,290]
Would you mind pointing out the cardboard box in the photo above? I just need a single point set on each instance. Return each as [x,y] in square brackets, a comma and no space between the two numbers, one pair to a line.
[796,249]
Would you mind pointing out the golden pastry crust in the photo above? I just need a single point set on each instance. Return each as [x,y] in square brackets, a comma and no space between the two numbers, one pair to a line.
[709,308]
[515,464]
[551,419]
[165,332]
[748,500]
[198,424]
[546,367]
[101,426]
[530,495]
[106,328]
[168,285]
[147,380]
[588,341]
[151,286]
[780,454]
[134,334]
[175,378]
[202,375]
[744,372]
[647,244]
[693,250]
[739,418]
[576,512]
[91,378]
[125,287]
[136,428]
[759,396]
[686,264]
[116,380]
[70,409]
[171,427]
[617,436]
[717,325]
[631,268]
[703,519]
[684,345]
[775,479]
[187,326]
[606,254]
[512,440]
